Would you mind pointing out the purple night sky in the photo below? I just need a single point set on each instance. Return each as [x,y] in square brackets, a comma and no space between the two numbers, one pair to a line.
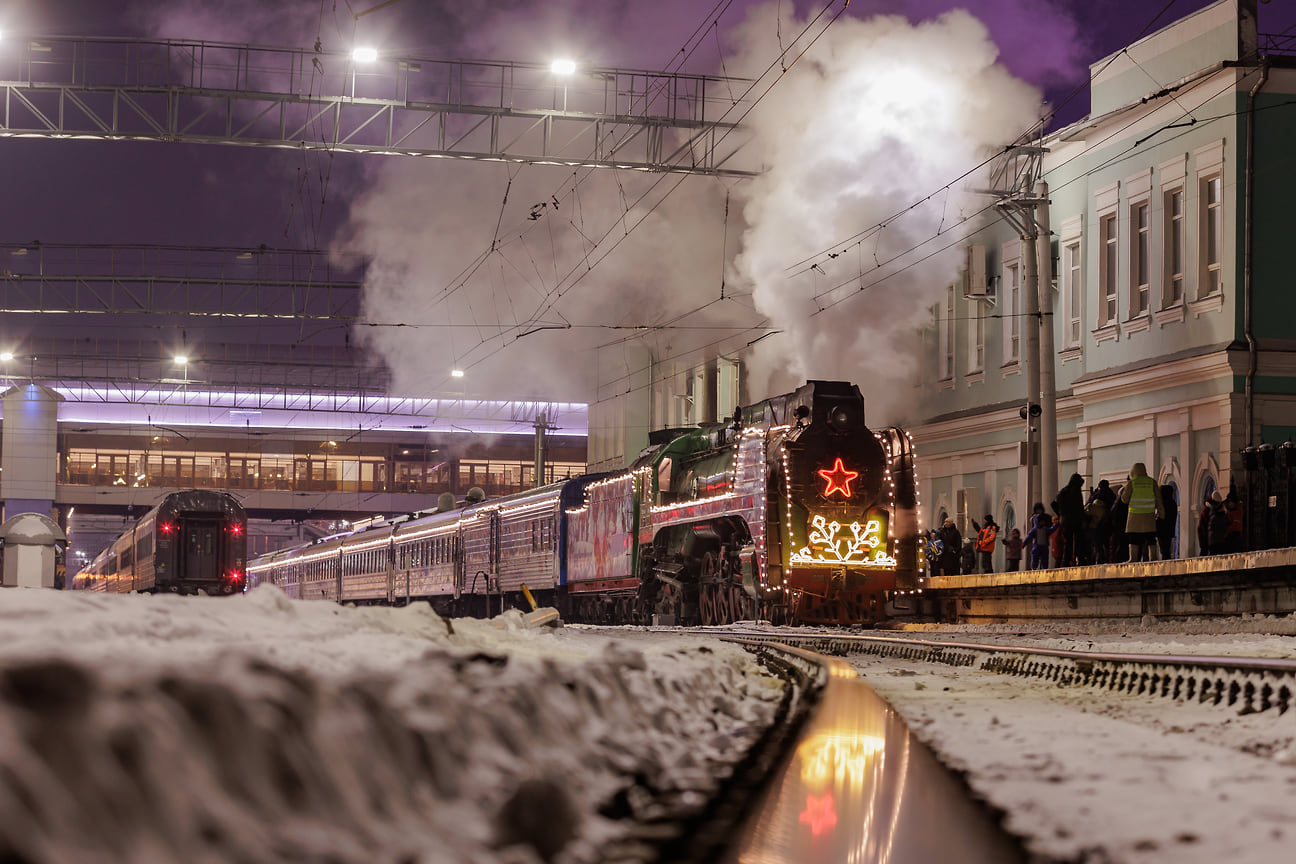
[130,192]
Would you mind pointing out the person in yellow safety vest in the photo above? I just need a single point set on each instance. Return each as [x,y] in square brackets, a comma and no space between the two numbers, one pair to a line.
[985,542]
[1145,507]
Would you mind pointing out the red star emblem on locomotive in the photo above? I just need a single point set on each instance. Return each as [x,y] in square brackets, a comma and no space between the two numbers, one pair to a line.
[838,479]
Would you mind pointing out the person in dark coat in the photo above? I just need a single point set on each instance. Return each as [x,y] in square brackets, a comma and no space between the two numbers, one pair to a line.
[952,541]
[1235,539]
[1104,493]
[1217,524]
[1203,527]
[968,557]
[1119,549]
[1167,527]
[1069,506]
[1013,544]
[1098,524]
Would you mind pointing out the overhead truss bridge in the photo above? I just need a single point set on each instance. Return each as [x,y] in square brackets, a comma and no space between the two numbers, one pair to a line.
[225,93]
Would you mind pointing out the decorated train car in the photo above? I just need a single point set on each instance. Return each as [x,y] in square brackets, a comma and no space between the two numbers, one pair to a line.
[192,541]
[795,511]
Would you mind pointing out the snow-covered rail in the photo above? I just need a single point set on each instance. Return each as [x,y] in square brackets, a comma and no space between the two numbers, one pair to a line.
[1245,684]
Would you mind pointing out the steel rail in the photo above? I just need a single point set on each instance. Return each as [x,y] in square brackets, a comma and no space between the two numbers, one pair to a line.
[1251,684]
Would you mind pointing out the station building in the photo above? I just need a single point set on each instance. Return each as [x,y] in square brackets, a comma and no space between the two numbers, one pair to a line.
[1167,290]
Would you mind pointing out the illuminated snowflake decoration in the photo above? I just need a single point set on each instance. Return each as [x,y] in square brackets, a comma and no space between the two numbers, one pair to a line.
[830,545]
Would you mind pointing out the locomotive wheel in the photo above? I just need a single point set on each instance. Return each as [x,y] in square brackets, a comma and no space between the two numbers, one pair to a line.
[710,604]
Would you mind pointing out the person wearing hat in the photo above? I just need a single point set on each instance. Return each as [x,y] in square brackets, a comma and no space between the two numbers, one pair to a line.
[1217,524]
[985,542]
[952,541]
[1144,500]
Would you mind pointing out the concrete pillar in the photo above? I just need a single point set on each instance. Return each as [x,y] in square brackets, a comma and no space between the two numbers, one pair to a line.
[31,544]
[30,449]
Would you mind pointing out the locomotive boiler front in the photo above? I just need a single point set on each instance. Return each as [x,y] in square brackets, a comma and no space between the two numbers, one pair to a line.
[838,556]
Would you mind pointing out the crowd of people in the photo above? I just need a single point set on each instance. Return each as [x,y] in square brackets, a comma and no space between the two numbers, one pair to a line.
[1136,522]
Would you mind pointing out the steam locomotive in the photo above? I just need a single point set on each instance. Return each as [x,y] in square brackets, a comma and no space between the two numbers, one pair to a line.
[192,541]
[794,512]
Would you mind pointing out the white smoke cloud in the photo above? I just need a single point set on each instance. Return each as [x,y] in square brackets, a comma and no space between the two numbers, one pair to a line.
[879,115]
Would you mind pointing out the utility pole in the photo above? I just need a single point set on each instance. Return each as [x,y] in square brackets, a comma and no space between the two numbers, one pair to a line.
[1022,200]
[1048,378]
[541,448]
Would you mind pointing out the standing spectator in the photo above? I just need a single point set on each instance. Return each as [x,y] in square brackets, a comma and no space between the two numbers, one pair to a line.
[1104,492]
[952,541]
[1013,544]
[1098,523]
[1069,506]
[1038,539]
[1141,495]
[933,548]
[985,542]
[1235,539]
[1203,527]
[968,559]
[1217,524]
[1119,514]
[1166,527]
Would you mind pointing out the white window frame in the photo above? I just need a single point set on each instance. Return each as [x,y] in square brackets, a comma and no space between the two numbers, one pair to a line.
[1209,162]
[1109,268]
[976,336]
[1173,281]
[1138,234]
[1071,281]
[1010,255]
[945,335]
[1107,260]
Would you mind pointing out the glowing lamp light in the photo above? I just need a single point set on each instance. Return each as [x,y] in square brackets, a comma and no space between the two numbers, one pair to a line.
[838,479]
[180,360]
[364,54]
[456,373]
[236,529]
[167,527]
[6,356]
[563,66]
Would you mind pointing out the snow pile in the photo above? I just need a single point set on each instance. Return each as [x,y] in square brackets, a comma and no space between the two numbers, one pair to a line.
[263,729]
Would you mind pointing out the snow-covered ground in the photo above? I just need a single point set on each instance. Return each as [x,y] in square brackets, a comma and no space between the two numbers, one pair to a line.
[1092,776]
[160,729]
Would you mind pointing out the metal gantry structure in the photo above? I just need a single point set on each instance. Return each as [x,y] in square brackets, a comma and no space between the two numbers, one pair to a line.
[227,93]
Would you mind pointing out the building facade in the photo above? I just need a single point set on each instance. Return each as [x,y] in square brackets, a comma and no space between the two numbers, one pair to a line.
[1165,289]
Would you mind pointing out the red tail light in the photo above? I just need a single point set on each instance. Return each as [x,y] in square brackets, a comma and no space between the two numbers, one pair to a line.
[236,529]
[167,527]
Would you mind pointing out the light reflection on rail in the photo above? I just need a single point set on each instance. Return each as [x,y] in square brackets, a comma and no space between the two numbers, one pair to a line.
[859,788]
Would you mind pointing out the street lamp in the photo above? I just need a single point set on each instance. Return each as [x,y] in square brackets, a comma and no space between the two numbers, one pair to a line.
[364,54]
[562,68]
[6,356]
[456,373]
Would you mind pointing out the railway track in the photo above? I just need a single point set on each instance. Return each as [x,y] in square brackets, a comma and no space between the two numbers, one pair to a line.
[1247,685]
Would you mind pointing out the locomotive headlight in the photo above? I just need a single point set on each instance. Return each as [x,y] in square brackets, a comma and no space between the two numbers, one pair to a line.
[841,418]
